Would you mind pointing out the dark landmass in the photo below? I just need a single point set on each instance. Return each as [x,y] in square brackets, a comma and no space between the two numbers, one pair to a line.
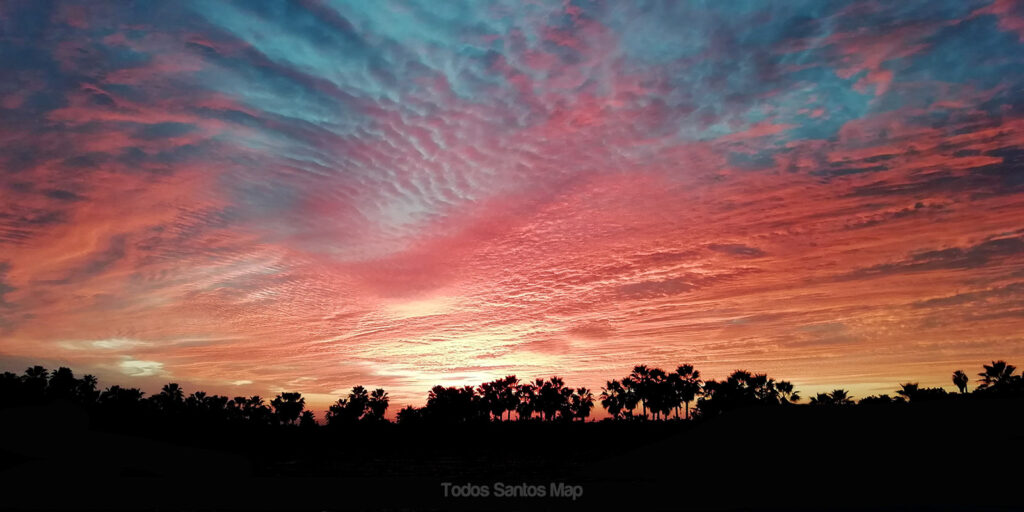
[66,445]
[954,455]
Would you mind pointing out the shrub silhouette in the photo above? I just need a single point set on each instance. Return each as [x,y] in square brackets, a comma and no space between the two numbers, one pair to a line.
[880,400]
[912,392]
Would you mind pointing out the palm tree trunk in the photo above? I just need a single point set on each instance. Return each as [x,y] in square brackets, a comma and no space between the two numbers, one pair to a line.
[687,410]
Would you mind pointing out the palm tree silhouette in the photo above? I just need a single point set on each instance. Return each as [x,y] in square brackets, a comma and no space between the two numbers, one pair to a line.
[660,393]
[613,398]
[453,405]
[687,383]
[216,406]
[507,394]
[377,404]
[547,404]
[121,396]
[173,392]
[235,408]
[360,404]
[408,415]
[490,397]
[526,396]
[960,380]
[358,399]
[288,407]
[62,384]
[499,396]
[170,398]
[87,388]
[787,393]
[121,404]
[256,411]
[196,402]
[582,402]
[908,390]
[841,397]
[339,413]
[639,382]
[996,375]
[307,420]
[553,397]
[742,389]
[36,372]
[35,380]
[836,397]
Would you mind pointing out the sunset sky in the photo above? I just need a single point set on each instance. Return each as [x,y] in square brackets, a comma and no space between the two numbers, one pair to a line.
[249,197]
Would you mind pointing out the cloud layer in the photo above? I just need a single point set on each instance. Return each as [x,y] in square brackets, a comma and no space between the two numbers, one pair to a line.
[251,196]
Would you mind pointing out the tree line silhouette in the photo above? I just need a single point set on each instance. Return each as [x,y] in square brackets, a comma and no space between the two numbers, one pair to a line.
[646,393]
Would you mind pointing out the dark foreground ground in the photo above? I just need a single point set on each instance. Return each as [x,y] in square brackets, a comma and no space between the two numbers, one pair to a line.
[947,455]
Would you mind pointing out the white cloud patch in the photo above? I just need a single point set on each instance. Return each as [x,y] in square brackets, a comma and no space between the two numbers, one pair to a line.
[107,344]
[137,368]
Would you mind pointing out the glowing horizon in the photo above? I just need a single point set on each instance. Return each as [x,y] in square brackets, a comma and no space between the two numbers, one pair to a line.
[246,198]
